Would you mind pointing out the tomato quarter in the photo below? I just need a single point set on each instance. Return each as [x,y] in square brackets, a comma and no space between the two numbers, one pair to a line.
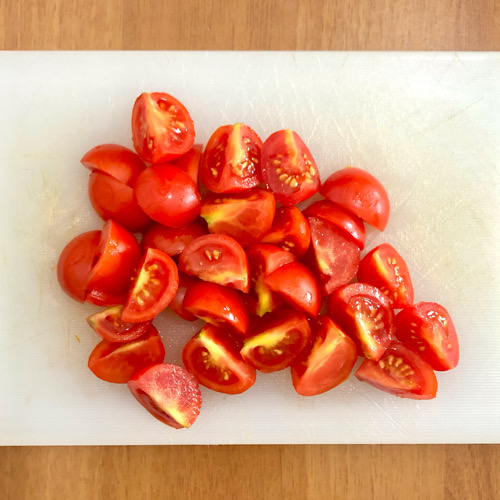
[177,304]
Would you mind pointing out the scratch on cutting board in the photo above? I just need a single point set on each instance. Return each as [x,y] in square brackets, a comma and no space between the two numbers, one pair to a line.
[463,109]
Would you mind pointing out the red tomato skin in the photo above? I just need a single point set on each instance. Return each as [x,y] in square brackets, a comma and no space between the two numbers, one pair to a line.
[75,263]
[169,392]
[230,162]
[326,362]
[111,199]
[116,161]
[288,168]
[190,162]
[400,372]
[289,231]
[117,362]
[214,349]
[349,223]
[360,193]
[168,195]
[428,329]
[105,299]
[177,304]
[154,137]
[342,306]
[172,240]
[298,287]
[384,268]
[246,216]
[217,304]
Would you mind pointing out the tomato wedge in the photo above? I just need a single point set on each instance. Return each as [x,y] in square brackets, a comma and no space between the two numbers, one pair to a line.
[153,289]
[190,162]
[359,193]
[365,314]
[400,372]
[162,129]
[350,224]
[214,358]
[217,258]
[276,340]
[117,362]
[288,168]
[289,231]
[217,304]
[108,324]
[427,329]
[177,304]
[326,362]
[169,392]
[334,256]
[384,268]
[230,162]
[246,217]
[297,285]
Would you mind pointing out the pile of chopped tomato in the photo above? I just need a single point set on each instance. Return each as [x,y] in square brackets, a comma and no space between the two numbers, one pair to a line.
[215,235]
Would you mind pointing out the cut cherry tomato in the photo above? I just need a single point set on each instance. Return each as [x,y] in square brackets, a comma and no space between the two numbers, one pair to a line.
[172,240]
[246,217]
[349,223]
[117,362]
[333,255]
[105,299]
[190,162]
[384,268]
[214,358]
[288,168]
[326,362]
[109,325]
[217,304]
[217,258]
[162,129]
[169,392]
[359,193]
[289,231]
[75,263]
[115,260]
[365,314]
[297,285]
[230,162]
[153,289]
[427,328]
[168,195]
[116,161]
[400,372]
[263,259]
[276,340]
[177,304]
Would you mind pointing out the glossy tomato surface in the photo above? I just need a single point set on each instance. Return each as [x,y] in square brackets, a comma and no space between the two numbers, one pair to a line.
[246,216]
[190,162]
[169,392]
[400,372]
[213,357]
[326,362]
[177,304]
[360,193]
[288,168]
[231,160]
[162,128]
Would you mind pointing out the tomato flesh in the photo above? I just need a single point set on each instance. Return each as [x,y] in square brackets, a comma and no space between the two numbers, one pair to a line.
[276,340]
[365,314]
[326,362]
[400,372]
[154,287]
[246,217]
[217,258]
[117,362]
[230,162]
[162,129]
[427,329]
[288,168]
[169,392]
[214,358]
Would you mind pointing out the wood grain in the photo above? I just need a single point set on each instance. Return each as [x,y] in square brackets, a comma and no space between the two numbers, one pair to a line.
[251,472]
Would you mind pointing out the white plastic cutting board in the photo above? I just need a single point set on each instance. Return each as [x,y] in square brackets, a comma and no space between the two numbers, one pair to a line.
[426,124]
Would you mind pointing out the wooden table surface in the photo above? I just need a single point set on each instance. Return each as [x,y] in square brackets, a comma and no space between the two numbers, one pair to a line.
[251,472]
